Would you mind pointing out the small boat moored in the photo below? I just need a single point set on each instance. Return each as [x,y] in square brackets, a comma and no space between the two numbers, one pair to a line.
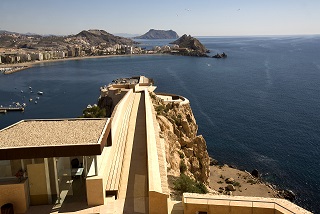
[40,92]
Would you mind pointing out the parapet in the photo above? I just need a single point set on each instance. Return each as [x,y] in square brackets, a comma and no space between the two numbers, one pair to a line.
[197,203]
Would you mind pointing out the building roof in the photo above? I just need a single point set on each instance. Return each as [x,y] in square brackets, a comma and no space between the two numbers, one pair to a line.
[54,138]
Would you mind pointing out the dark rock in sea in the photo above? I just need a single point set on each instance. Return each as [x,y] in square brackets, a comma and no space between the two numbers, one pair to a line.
[255,173]
[288,194]
[159,34]
[213,161]
[190,46]
[219,56]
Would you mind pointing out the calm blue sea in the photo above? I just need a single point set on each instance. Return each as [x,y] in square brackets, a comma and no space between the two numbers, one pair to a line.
[259,108]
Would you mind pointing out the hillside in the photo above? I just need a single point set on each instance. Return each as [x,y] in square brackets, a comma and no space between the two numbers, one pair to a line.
[96,37]
[85,39]
[159,34]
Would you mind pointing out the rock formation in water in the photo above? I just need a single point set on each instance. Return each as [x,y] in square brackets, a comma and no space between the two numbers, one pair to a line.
[192,46]
[159,34]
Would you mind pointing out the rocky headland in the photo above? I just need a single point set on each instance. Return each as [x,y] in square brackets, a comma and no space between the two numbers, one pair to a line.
[190,46]
[186,153]
[159,34]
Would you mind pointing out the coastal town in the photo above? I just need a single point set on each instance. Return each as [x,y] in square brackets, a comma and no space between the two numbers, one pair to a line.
[17,49]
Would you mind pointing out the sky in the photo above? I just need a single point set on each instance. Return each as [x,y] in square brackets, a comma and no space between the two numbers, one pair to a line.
[197,18]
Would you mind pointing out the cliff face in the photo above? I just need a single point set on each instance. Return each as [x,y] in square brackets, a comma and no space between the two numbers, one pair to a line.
[159,34]
[185,150]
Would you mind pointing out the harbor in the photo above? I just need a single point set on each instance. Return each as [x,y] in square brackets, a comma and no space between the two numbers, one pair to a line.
[6,109]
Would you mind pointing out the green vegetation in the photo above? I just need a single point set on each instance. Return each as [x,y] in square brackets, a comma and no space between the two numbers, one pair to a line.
[251,181]
[186,184]
[183,167]
[161,109]
[181,154]
[94,112]
[236,184]
[153,96]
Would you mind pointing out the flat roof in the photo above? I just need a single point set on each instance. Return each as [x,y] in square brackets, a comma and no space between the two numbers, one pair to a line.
[54,138]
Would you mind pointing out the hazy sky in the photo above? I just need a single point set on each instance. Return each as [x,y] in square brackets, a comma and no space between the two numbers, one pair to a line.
[198,18]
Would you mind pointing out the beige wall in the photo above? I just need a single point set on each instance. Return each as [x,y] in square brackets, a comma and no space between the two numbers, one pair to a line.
[158,201]
[95,191]
[37,184]
[217,204]
[15,193]
[96,185]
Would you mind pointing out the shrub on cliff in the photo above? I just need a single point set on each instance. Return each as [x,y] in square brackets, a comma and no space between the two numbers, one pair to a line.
[94,112]
[186,184]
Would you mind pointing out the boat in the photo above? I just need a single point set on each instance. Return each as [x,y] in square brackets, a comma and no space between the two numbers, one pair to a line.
[35,102]
[3,111]
[30,87]
[30,99]
[21,91]
[40,92]
[37,98]
[24,104]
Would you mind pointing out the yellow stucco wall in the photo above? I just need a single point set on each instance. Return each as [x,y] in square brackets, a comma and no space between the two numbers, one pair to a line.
[15,193]
[37,184]
[158,203]
[95,191]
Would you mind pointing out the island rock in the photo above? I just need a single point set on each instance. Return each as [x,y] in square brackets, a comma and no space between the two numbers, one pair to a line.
[190,46]
[159,34]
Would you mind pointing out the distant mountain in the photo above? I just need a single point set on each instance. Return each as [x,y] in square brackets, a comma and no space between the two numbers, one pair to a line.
[86,39]
[126,35]
[96,37]
[6,32]
[159,34]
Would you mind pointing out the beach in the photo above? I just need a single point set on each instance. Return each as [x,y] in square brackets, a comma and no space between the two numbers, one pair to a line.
[26,65]
[245,184]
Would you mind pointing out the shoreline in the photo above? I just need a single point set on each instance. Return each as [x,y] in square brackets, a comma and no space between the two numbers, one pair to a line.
[27,65]
[244,183]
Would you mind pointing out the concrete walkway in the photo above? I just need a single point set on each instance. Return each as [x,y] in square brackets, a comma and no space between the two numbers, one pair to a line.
[135,195]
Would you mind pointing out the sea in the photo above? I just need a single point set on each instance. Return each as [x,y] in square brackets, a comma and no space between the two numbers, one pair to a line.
[257,109]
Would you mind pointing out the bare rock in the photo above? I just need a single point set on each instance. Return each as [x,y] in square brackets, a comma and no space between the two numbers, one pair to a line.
[213,162]
[188,152]
[230,187]
[185,126]
[255,173]
[229,180]
[195,165]
[164,123]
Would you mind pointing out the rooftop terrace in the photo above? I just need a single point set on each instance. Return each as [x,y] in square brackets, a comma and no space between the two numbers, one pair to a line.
[70,134]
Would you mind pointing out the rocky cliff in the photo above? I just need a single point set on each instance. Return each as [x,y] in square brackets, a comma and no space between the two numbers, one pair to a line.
[159,34]
[186,152]
[193,45]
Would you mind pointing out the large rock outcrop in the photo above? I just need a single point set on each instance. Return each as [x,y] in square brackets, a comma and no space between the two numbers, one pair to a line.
[193,46]
[185,150]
